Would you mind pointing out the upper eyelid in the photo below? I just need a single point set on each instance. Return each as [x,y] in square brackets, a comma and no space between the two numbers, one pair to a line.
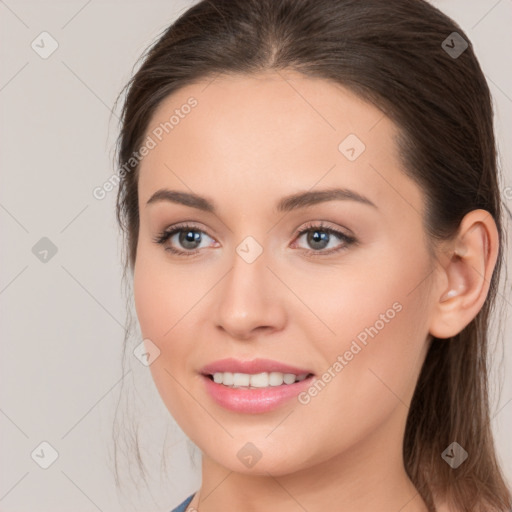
[308,226]
[320,224]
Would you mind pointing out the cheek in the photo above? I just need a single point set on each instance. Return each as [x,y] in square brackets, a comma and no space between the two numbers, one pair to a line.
[152,304]
[163,293]
[159,303]
[372,294]
[372,363]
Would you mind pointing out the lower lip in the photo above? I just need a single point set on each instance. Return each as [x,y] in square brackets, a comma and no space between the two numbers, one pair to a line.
[256,400]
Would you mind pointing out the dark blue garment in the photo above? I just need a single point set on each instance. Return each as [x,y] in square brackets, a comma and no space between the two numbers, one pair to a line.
[183,506]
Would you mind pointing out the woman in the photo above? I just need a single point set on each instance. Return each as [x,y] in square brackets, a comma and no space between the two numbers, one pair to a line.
[310,200]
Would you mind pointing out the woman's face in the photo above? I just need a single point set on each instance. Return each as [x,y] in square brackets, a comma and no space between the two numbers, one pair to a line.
[350,310]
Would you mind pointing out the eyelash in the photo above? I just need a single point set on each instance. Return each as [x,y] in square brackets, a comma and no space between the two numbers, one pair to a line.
[346,239]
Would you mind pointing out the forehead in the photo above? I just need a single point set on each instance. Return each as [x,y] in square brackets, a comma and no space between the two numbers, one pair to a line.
[242,137]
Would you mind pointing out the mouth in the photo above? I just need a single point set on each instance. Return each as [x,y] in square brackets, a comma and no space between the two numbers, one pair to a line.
[256,386]
[258,380]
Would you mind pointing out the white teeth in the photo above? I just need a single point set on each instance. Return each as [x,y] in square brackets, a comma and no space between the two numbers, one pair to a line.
[241,379]
[275,378]
[258,380]
[289,378]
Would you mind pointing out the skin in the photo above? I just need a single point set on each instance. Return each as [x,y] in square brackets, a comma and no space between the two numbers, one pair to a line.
[250,141]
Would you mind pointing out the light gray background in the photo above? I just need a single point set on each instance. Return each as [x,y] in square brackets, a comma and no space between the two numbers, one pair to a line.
[62,320]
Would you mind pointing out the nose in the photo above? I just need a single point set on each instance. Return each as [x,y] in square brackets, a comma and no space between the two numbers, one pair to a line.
[250,302]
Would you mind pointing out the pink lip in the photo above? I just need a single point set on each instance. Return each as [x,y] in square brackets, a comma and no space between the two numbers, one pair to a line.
[253,400]
[252,367]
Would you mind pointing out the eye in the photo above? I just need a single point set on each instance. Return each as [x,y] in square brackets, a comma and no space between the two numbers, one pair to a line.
[188,236]
[319,237]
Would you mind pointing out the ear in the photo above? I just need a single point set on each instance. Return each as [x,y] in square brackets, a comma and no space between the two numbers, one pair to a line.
[465,274]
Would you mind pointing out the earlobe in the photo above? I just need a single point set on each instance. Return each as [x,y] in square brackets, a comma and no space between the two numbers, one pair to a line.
[466,275]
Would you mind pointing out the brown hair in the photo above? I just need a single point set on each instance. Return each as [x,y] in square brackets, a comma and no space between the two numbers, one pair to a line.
[389,53]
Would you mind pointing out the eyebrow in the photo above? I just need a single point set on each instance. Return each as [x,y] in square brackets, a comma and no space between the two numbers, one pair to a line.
[286,204]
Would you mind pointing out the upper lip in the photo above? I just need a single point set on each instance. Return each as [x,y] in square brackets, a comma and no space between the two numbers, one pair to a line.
[251,367]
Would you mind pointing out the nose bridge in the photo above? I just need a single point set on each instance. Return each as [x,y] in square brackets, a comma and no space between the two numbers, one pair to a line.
[248,299]
[247,280]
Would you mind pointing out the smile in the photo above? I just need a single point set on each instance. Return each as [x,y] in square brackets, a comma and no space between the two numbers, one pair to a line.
[254,387]
[256,381]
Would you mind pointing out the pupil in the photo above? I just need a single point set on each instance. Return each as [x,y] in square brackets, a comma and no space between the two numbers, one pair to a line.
[191,237]
[315,238]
